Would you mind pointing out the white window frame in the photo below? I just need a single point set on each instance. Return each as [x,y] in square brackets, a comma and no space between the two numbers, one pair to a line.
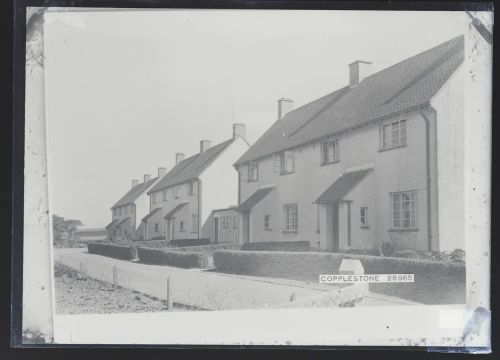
[165,198]
[329,148]
[253,171]
[404,210]
[290,218]
[284,169]
[393,135]
[155,200]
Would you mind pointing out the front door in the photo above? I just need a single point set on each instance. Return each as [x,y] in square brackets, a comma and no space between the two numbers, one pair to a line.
[216,229]
[335,227]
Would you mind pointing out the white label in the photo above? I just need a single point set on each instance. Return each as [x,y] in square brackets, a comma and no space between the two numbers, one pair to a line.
[366,278]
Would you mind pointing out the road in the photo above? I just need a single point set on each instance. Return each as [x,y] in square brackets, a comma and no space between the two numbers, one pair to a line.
[199,288]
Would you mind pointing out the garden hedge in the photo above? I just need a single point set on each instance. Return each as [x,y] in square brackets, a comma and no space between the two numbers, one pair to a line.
[111,250]
[276,246]
[435,282]
[184,259]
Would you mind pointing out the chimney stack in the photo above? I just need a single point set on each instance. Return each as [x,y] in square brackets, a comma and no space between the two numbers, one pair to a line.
[147,177]
[179,157]
[358,70]
[284,107]
[239,130]
[205,145]
[135,182]
[162,171]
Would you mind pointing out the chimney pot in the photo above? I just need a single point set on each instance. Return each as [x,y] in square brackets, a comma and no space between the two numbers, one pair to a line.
[358,70]
[162,171]
[239,130]
[147,177]
[135,182]
[179,157]
[205,145]
[284,107]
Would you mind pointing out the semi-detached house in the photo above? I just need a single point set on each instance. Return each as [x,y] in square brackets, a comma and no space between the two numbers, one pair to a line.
[379,160]
[183,201]
[131,208]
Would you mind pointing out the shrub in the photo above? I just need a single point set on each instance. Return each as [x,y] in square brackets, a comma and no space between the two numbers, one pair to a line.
[457,255]
[173,258]
[110,250]
[435,282]
[387,248]
[190,242]
[276,246]
[372,251]
[409,254]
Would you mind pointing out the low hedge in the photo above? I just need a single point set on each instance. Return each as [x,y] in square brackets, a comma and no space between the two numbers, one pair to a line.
[123,252]
[209,249]
[435,282]
[184,259]
[276,246]
[190,242]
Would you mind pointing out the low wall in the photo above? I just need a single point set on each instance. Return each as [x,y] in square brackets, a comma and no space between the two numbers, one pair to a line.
[435,282]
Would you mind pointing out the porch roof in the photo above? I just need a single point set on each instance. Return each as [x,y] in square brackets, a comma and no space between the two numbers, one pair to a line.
[174,210]
[253,200]
[111,223]
[124,221]
[345,183]
[151,214]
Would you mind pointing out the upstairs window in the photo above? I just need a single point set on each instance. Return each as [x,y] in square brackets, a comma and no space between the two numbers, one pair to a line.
[155,198]
[291,217]
[394,135]
[177,192]
[253,171]
[125,210]
[287,162]
[235,221]
[329,152]
[404,210]
[164,194]
[119,211]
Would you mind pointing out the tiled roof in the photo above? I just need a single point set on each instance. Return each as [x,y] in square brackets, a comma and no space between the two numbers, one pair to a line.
[403,86]
[154,211]
[341,187]
[172,212]
[191,167]
[134,193]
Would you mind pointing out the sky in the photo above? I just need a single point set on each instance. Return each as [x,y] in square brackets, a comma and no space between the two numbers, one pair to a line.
[126,90]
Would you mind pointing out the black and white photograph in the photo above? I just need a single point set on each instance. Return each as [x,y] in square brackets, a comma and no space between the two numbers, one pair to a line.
[222,176]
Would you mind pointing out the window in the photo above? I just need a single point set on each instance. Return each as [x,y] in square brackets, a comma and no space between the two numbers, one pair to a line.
[194,223]
[119,211]
[287,162]
[125,210]
[404,210]
[224,222]
[253,171]
[177,192]
[364,216]
[329,152]
[267,222]
[157,227]
[277,163]
[235,221]
[155,197]
[164,194]
[181,225]
[394,134]
[114,212]
[291,217]
[191,188]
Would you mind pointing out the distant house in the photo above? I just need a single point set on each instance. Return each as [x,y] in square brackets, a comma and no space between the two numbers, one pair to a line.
[182,201]
[130,209]
[379,160]
[90,234]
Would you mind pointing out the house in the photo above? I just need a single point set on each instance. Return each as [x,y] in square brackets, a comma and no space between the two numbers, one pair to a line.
[127,212]
[182,202]
[379,160]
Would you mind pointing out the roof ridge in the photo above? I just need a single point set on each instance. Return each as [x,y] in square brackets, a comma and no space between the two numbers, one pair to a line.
[460,37]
